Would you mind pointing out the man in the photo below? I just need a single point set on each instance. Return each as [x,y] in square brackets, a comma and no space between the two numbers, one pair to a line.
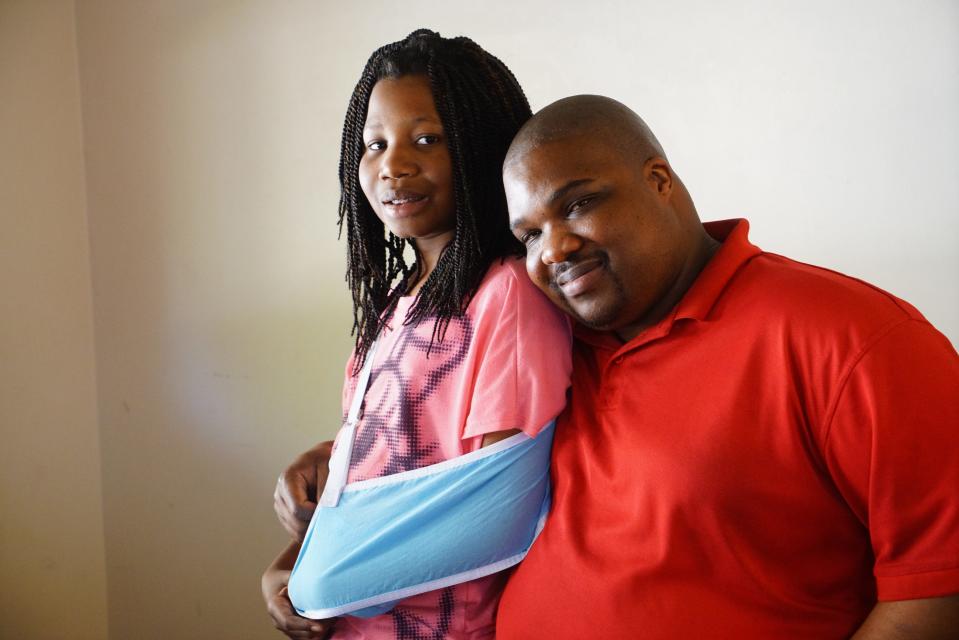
[753,448]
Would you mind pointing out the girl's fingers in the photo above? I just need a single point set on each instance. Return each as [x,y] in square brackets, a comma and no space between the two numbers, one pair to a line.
[294,626]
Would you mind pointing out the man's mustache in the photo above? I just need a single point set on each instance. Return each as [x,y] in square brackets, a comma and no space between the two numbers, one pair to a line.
[576,265]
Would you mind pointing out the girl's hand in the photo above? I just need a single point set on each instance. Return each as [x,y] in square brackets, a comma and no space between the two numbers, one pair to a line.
[273,587]
[286,620]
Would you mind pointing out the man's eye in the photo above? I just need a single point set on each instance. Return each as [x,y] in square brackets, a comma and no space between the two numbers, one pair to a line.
[428,139]
[579,204]
[375,145]
[528,237]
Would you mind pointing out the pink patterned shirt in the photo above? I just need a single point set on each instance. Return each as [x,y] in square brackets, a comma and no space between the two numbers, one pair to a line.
[505,364]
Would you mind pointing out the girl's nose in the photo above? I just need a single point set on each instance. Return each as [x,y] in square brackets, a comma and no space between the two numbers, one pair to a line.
[397,163]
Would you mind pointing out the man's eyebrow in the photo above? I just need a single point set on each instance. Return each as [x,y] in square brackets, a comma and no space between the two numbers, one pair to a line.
[563,191]
[555,197]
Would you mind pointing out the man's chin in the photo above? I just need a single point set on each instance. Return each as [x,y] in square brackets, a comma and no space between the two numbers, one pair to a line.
[595,317]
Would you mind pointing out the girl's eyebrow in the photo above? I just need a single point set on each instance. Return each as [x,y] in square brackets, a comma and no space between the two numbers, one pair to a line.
[417,120]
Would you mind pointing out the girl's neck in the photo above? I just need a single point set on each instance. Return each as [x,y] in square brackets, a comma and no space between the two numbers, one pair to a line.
[428,252]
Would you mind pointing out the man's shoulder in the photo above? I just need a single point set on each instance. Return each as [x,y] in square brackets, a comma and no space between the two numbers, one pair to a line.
[819,296]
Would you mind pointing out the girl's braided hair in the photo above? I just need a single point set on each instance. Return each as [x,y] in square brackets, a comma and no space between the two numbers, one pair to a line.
[481,106]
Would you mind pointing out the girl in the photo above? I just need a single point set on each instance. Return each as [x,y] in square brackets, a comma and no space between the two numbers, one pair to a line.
[468,350]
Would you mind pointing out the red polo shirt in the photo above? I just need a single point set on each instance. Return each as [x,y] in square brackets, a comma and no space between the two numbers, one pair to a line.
[763,463]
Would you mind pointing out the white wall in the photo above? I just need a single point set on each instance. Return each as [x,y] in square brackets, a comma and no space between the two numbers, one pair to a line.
[221,315]
[52,575]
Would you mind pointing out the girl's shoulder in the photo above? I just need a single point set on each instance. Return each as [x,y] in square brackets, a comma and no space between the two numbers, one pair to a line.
[506,278]
[507,290]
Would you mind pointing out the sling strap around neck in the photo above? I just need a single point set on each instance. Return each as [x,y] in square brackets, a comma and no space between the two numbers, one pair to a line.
[340,460]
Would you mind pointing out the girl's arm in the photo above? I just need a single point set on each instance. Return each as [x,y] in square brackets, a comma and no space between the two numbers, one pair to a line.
[496,436]
[273,585]
[295,497]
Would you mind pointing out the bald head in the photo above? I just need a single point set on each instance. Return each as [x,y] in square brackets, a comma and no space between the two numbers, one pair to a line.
[611,234]
[599,118]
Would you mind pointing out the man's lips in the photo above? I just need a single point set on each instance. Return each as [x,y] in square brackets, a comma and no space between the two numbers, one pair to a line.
[580,277]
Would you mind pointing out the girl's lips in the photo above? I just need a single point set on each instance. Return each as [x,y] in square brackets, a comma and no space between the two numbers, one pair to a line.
[402,203]
[580,278]
[405,208]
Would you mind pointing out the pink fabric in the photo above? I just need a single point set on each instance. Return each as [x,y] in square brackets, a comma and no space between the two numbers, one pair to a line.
[504,365]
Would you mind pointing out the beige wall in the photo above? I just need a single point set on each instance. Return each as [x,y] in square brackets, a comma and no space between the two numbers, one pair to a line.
[52,577]
[211,136]
[222,322]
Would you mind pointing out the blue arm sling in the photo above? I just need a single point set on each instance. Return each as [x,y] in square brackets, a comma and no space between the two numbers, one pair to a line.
[378,541]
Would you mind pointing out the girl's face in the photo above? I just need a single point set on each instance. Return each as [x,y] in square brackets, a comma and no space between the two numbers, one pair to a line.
[406,172]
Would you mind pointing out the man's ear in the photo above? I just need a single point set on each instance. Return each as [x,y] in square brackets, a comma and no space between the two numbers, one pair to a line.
[659,176]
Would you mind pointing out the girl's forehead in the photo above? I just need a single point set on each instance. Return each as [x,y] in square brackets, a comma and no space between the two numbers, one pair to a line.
[405,99]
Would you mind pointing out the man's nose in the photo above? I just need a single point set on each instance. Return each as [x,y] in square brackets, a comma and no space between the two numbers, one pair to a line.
[558,245]
[397,162]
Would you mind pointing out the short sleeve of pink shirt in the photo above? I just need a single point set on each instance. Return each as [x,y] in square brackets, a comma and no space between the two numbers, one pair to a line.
[505,364]
[521,361]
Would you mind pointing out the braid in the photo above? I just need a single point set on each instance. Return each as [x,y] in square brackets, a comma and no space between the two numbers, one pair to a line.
[481,106]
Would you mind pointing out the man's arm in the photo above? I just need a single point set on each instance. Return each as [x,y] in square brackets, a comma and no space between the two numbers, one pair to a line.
[892,454]
[923,619]
[294,499]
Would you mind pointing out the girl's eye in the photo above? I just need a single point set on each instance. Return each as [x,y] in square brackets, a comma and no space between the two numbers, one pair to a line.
[428,139]
[376,145]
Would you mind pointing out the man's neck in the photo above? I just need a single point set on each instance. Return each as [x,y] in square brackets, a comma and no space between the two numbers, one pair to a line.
[699,257]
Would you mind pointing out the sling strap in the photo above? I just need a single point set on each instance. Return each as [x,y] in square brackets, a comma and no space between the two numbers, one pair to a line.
[340,460]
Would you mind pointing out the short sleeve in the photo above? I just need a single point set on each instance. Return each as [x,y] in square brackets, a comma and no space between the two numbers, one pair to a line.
[892,449]
[522,361]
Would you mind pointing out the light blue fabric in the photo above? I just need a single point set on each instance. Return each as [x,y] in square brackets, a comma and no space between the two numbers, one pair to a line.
[393,537]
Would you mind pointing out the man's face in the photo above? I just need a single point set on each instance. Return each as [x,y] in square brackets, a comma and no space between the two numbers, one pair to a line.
[601,240]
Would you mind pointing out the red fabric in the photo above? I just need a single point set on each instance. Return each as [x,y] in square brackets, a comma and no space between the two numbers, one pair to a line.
[761,464]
